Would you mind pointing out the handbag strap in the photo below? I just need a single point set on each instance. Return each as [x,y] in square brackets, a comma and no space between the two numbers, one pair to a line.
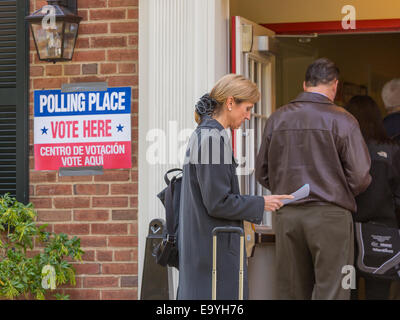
[167,181]
[169,209]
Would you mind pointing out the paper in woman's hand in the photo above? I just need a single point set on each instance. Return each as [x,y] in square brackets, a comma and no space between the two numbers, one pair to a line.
[301,193]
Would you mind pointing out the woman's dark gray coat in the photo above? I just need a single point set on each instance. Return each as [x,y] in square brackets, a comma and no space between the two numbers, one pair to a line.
[210,197]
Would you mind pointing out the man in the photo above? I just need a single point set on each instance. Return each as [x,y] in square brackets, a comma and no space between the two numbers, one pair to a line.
[311,140]
[391,99]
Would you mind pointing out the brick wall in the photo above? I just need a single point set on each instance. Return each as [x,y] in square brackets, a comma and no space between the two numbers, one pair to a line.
[101,210]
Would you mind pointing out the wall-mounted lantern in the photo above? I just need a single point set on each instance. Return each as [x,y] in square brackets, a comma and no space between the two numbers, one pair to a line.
[55,29]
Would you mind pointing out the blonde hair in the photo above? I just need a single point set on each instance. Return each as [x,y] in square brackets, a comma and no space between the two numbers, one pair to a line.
[232,85]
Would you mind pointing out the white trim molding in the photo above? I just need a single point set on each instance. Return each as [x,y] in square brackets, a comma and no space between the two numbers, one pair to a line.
[183,51]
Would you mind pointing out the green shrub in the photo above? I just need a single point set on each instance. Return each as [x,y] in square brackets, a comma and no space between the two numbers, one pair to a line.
[20,274]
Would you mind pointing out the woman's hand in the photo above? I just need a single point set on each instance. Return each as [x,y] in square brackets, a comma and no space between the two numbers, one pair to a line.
[272,202]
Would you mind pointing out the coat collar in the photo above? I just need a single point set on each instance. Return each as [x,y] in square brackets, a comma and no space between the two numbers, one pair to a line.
[312,97]
[209,122]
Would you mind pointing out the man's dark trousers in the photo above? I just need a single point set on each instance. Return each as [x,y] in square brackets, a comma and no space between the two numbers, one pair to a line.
[313,244]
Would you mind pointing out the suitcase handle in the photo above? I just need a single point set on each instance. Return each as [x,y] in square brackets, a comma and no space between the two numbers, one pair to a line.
[228,229]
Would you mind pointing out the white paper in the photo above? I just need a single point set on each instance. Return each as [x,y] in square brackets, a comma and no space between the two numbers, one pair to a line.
[301,193]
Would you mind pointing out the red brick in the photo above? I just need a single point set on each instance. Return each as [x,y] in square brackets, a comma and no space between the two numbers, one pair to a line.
[135,175]
[90,68]
[133,40]
[107,14]
[130,214]
[89,78]
[122,241]
[72,69]
[113,175]
[133,228]
[82,43]
[72,229]
[100,282]
[53,189]
[124,27]
[48,83]
[92,3]
[107,68]
[93,28]
[54,70]
[109,42]
[127,188]
[104,255]
[41,202]
[133,202]
[133,14]
[100,189]
[93,241]
[127,68]
[123,255]
[122,54]
[119,268]
[109,228]
[78,280]
[42,176]
[72,202]
[54,215]
[91,215]
[131,80]
[123,3]
[75,179]
[129,281]
[89,55]
[81,294]
[110,202]
[88,255]
[127,294]
[36,71]
[87,268]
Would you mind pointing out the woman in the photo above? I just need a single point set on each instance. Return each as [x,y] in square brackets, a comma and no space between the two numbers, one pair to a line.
[379,202]
[210,193]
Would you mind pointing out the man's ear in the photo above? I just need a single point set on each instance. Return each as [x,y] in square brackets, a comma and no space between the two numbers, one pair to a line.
[304,86]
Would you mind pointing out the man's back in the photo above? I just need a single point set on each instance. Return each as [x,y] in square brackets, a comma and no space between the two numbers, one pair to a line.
[310,140]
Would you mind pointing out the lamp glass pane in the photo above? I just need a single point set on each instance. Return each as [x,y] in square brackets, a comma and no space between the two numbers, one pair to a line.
[48,40]
[71,31]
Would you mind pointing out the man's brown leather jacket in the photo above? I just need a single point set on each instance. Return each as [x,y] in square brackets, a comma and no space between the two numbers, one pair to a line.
[311,140]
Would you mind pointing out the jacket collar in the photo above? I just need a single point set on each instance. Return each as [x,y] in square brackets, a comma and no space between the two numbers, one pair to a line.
[312,97]
[209,122]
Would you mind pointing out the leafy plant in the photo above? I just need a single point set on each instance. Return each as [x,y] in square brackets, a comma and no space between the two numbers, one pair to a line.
[21,274]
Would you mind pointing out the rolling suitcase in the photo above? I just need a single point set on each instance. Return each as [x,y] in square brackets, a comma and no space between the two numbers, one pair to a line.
[215,232]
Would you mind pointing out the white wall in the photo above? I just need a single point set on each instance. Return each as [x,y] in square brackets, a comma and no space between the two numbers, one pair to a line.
[183,51]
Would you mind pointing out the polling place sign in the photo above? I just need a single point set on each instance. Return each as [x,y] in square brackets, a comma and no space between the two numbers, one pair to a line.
[82,129]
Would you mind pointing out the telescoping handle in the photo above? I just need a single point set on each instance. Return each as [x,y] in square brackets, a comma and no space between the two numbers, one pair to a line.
[215,232]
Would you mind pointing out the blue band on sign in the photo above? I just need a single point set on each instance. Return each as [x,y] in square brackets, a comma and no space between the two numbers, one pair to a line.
[50,103]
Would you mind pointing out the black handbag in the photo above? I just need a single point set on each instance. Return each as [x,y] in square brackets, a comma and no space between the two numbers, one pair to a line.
[166,252]
[378,251]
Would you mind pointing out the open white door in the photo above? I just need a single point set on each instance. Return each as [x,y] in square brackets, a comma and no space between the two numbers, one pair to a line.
[277,65]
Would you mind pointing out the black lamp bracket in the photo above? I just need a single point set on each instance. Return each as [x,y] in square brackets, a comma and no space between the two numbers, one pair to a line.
[70,4]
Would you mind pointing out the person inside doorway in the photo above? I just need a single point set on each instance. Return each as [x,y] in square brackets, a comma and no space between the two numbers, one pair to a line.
[391,99]
[379,202]
[311,140]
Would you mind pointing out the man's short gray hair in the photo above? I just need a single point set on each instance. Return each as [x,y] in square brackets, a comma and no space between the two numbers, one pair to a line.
[391,93]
